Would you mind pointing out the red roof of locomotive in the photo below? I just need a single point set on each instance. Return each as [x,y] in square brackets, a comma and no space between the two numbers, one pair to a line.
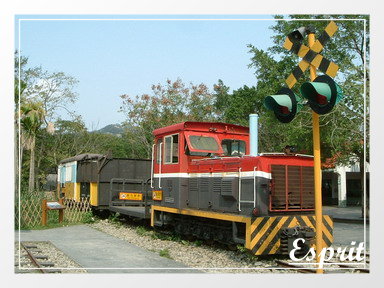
[217,127]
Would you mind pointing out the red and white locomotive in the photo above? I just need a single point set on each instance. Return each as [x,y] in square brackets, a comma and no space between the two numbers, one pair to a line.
[205,182]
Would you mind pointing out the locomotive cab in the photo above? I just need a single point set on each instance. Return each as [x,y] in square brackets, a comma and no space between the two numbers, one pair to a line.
[181,156]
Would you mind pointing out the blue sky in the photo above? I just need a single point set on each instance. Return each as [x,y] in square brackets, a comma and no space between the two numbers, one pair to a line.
[115,57]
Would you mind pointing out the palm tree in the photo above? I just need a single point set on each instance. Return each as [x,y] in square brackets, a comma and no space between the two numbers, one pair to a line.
[31,118]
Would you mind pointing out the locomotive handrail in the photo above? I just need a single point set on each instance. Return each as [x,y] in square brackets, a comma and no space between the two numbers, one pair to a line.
[254,189]
[239,188]
[161,162]
[254,186]
[152,166]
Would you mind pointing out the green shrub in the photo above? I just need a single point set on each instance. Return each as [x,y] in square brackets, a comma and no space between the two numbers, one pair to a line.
[165,253]
[88,217]
[142,231]
[114,218]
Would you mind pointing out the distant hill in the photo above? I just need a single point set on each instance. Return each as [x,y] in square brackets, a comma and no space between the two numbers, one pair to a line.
[114,129]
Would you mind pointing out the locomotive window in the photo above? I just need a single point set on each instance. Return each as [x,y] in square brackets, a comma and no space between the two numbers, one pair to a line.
[203,143]
[171,149]
[158,150]
[233,147]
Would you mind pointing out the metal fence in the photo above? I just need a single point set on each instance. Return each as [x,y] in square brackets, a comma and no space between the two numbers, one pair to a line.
[28,210]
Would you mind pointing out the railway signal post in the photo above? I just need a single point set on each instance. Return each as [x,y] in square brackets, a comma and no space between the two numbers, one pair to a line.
[322,93]
[317,168]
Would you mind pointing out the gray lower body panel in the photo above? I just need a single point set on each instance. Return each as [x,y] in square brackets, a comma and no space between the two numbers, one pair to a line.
[134,211]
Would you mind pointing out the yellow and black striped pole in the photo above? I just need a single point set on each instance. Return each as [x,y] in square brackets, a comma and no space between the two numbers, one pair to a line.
[317,168]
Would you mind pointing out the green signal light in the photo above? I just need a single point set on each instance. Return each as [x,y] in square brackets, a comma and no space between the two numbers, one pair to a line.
[322,94]
[285,104]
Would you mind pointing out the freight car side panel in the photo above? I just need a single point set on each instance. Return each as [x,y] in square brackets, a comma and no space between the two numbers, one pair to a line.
[123,169]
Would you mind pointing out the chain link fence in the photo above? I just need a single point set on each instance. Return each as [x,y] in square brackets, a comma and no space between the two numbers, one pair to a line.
[28,210]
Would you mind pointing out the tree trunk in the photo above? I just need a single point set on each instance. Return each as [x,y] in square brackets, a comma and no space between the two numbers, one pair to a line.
[31,182]
[37,167]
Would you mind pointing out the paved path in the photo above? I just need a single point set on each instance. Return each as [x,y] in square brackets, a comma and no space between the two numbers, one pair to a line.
[348,225]
[346,214]
[345,233]
[95,250]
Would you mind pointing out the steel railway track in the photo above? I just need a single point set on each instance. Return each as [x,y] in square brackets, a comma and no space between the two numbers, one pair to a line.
[33,253]
[330,267]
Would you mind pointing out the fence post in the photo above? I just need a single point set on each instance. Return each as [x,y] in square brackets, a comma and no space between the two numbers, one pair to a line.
[44,212]
[61,211]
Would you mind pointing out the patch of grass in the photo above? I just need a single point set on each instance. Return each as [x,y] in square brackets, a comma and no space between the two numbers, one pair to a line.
[176,238]
[114,218]
[184,242]
[165,253]
[197,243]
[161,236]
[246,253]
[241,249]
[88,217]
[142,231]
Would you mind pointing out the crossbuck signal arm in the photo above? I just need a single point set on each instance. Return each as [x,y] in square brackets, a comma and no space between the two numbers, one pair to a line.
[310,56]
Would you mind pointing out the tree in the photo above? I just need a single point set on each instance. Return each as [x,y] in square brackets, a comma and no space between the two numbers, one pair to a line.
[21,76]
[20,83]
[53,89]
[236,107]
[39,95]
[169,104]
[32,117]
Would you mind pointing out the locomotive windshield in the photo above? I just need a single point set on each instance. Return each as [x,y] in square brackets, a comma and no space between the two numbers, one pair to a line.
[233,147]
[203,143]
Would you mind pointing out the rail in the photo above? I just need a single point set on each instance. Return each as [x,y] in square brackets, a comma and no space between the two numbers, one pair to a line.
[41,266]
[337,267]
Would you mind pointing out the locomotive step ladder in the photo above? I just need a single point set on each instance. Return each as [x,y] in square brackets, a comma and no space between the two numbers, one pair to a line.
[254,190]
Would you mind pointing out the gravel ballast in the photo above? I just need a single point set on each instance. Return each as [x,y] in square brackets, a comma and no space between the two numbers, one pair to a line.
[194,254]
